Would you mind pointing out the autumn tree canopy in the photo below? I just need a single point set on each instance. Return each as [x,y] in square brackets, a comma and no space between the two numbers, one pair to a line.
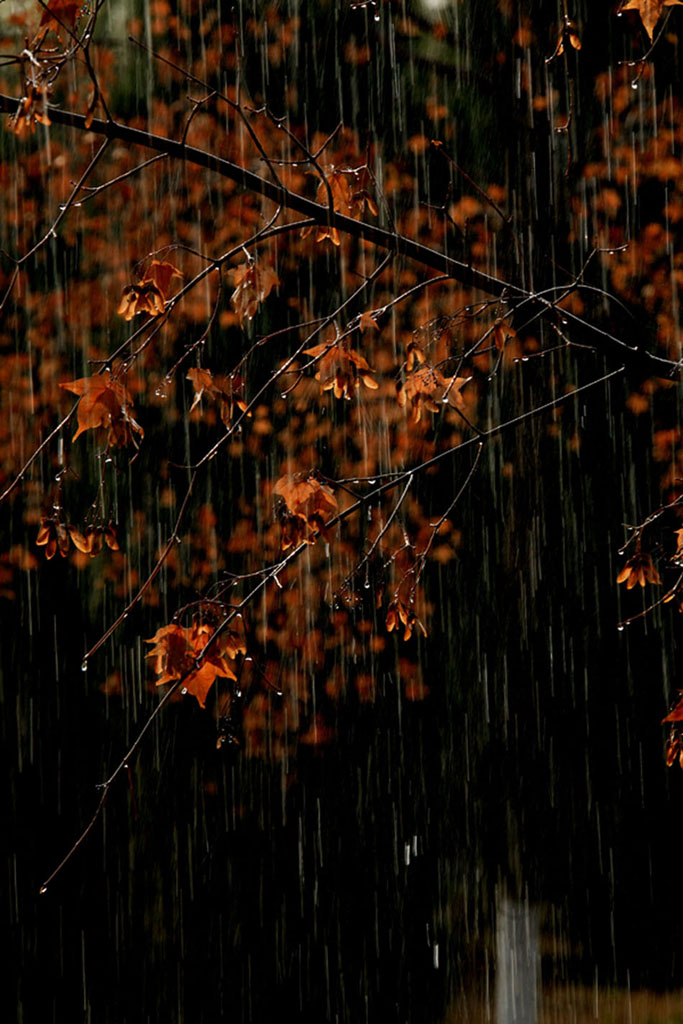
[252,360]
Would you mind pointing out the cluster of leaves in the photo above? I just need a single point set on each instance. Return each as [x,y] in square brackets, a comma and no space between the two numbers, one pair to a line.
[131,394]
[310,408]
[176,654]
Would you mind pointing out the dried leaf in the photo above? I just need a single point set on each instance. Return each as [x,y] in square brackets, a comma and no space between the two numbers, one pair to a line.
[253,283]
[650,11]
[176,649]
[142,298]
[676,712]
[104,403]
[32,110]
[501,332]
[367,320]
[310,505]
[151,293]
[639,569]
[161,274]
[64,11]
[227,391]
[341,369]
[400,614]
[344,200]
[428,387]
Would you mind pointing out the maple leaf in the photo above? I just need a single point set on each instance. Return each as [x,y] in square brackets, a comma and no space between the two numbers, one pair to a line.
[161,273]
[367,320]
[501,332]
[64,11]
[341,369]
[227,392]
[104,403]
[650,11]
[427,386]
[309,504]
[253,283]
[151,293]
[175,654]
[343,201]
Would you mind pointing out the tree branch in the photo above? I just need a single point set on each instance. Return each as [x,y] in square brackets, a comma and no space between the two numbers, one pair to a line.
[631,355]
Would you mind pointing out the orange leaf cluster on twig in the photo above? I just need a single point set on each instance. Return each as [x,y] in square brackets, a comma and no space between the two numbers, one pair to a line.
[105,403]
[32,111]
[639,569]
[344,200]
[54,535]
[428,387]
[151,293]
[175,654]
[227,391]
[400,614]
[309,505]
[341,369]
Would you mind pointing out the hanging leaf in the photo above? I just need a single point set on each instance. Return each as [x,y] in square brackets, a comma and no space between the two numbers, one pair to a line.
[253,283]
[676,712]
[341,369]
[400,614]
[639,569]
[428,387]
[501,332]
[309,505]
[59,13]
[53,536]
[151,293]
[227,391]
[105,403]
[650,11]
[175,652]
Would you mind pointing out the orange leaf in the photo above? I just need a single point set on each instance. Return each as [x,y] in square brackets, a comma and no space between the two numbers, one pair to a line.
[253,283]
[201,381]
[227,391]
[161,274]
[104,403]
[310,505]
[64,11]
[146,297]
[650,11]
[341,369]
[676,713]
[367,320]
[175,653]
[501,332]
[427,386]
